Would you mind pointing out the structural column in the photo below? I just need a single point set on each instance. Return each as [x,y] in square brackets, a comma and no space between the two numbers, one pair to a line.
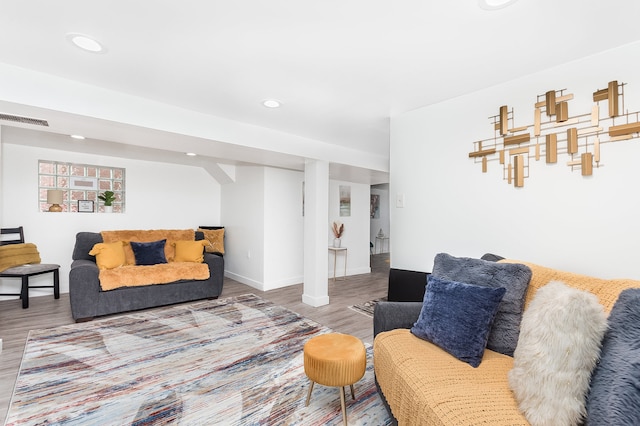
[316,222]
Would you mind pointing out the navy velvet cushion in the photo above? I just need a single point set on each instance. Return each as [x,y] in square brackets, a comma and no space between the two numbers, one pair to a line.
[513,277]
[149,253]
[614,398]
[457,317]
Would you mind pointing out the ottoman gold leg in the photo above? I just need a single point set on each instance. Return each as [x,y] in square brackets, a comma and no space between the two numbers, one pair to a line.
[309,393]
[344,409]
[353,395]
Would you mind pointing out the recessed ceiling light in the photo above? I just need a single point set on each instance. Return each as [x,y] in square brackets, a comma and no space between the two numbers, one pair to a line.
[80,137]
[271,103]
[495,4]
[86,43]
[190,154]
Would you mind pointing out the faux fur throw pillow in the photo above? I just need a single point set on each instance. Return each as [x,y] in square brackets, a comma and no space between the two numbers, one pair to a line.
[513,277]
[614,398]
[559,345]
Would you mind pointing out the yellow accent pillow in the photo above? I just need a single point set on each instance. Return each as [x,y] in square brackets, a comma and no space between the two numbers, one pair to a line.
[189,251]
[215,238]
[109,255]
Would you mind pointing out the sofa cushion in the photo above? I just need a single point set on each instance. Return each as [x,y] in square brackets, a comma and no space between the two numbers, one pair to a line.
[558,348]
[512,276]
[84,243]
[189,251]
[146,236]
[614,397]
[109,255]
[457,317]
[424,385]
[151,253]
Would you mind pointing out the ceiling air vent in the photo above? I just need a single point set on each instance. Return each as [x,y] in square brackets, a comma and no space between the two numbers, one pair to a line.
[25,120]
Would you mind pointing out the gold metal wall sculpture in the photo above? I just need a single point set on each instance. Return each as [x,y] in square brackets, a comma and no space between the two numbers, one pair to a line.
[555,132]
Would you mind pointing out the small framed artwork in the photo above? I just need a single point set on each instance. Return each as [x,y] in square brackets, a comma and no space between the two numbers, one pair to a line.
[85,206]
[345,200]
[88,184]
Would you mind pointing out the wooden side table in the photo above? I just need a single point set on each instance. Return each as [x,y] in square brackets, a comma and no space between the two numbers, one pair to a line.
[335,251]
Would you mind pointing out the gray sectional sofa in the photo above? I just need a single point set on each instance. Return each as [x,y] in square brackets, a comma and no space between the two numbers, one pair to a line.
[89,301]
[423,384]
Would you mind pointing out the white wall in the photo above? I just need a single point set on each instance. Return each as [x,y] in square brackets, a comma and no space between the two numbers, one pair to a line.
[383,222]
[157,196]
[284,228]
[356,228]
[559,219]
[262,213]
[243,217]
[1,180]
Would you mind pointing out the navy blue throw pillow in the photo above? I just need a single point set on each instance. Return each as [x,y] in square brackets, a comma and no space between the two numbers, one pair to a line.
[614,398]
[149,253]
[457,317]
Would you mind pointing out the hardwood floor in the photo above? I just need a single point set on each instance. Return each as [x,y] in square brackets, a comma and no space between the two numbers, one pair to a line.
[46,312]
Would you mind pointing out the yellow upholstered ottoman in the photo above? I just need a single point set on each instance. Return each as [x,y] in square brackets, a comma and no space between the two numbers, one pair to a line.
[335,359]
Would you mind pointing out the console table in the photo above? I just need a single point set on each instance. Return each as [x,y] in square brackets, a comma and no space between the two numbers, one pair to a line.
[335,251]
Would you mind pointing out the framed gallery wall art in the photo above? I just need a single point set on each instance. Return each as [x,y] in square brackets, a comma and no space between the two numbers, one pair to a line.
[375,206]
[345,200]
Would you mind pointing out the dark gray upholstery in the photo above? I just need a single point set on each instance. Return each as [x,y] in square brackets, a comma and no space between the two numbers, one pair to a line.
[84,243]
[391,315]
[88,300]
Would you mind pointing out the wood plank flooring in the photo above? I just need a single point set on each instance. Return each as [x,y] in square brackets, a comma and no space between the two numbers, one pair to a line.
[46,312]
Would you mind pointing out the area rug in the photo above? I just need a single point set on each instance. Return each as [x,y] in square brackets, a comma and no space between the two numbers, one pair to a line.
[236,361]
[367,307]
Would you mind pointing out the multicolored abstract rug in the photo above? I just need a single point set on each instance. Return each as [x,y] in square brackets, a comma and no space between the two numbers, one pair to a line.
[236,361]
[367,307]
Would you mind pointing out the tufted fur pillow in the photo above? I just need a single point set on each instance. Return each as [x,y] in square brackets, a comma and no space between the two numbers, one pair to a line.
[614,397]
[559,345]
[215,238]
[511,276]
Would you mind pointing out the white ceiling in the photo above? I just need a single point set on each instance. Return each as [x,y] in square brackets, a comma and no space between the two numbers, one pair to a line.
[340,68]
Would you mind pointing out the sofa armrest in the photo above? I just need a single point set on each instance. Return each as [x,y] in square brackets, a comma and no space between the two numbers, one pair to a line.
[216,270]
[391,315]
[84,286]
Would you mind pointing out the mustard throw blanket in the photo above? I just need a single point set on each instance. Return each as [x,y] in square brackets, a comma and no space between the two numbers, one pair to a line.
[163,273]
[131,275]
[145,236]
[18,254]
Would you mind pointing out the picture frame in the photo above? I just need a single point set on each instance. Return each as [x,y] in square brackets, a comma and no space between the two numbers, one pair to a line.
[375,206]
[84,183]
[85,206]
[345,200]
